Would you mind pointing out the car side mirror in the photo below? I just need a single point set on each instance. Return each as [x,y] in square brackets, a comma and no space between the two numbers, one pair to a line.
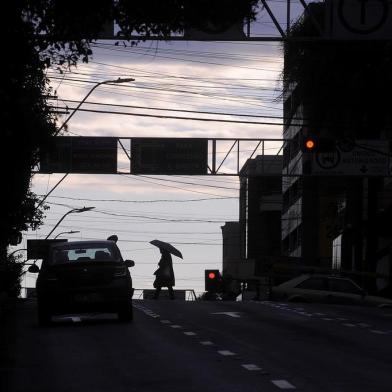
[34,269]
[129,263]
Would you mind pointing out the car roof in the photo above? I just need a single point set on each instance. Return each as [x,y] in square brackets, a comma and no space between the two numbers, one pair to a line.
[301,278]
[84,243]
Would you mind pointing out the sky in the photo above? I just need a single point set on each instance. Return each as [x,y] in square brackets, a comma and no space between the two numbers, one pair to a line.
[234,78]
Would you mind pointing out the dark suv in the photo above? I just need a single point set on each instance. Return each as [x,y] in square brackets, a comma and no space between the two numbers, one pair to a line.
[84,276]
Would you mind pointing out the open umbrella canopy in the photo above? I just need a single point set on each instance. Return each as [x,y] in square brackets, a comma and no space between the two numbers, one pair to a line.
[166,246]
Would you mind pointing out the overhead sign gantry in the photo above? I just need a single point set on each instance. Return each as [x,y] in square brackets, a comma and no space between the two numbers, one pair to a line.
[340,20]
[154,156]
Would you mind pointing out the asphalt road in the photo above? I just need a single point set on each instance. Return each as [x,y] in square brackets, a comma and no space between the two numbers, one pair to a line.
[201,346]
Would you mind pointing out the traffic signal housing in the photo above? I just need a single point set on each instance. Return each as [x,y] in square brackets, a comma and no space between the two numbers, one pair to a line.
[212,280]
[313,144]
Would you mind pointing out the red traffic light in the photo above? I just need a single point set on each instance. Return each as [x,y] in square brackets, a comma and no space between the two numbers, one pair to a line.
[317,144]
[310,144]
[212,280]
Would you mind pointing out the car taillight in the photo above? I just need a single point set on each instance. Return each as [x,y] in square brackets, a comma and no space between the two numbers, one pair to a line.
[120,272]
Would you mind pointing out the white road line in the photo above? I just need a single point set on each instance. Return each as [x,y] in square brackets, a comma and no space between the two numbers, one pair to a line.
[206,343]
[378,332]
[230,314]
[225,352]
[251,367]
[326,319]
[190,333]
[176,326]
[349,325]
[341,319]
[320,314]
[76,319]
[283,384]
[304,314]
[146,311]
[165,321]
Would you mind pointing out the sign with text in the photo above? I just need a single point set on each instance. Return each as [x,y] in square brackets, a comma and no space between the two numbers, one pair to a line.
[169,156]
[37,249]
[363,158]
[68,154]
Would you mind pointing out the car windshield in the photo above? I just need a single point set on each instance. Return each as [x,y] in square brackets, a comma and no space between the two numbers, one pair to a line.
[343,286]
[84,252]
[313,283]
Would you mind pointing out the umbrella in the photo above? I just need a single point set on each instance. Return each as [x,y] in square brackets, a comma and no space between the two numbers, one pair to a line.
[166,246]
[113,238]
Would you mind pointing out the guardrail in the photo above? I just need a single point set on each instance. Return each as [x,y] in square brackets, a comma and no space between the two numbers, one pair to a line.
[180,294]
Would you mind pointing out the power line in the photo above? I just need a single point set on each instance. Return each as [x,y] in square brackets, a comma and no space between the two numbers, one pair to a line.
[180,110]
[170,186]
[196,61]
[188,183]
[142,201]
[181,117]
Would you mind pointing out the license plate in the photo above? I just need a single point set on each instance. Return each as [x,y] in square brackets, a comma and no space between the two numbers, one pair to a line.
[85,298]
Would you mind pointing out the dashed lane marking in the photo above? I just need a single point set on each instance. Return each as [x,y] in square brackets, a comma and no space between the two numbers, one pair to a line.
[190,333]
[76,319]
[230,314]
[344,321]
[251,367]
[146,311]
[225,352]
[283,384]
[206,343]
[165,321]
[176,326]
[378,332]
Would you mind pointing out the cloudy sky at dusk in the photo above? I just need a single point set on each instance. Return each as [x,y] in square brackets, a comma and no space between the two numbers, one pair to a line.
[240,80]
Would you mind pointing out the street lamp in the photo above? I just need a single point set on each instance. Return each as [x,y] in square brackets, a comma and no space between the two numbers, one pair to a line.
[66,232]
[17,250]
[74,210]
[115,81]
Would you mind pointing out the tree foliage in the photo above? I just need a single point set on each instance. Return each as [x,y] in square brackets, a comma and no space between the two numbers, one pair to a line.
[39,34]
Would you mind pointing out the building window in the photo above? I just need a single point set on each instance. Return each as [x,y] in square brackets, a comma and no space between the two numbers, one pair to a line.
[337,252]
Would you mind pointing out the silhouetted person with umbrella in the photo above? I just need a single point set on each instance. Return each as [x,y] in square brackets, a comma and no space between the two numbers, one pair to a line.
[164,275]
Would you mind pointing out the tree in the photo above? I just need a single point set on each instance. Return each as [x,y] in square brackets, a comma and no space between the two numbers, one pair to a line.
[38,34]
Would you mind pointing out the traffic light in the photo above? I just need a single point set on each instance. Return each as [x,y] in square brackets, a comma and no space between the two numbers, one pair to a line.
[313,143]
[212,280]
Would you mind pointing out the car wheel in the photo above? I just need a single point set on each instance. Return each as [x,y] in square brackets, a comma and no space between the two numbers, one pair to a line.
[125,314]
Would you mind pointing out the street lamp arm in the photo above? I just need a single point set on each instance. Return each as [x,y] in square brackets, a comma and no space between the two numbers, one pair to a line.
[76,109]
[84,209]
[17,250]
[66,232]
[55,227]
[116,81]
